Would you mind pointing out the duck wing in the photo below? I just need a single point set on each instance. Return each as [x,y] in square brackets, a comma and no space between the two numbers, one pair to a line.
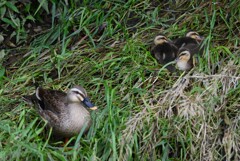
[52,100]
[48,100]
[195,49]
[183,41]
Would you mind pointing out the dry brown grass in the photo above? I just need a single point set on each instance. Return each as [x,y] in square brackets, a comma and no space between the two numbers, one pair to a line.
[205,111]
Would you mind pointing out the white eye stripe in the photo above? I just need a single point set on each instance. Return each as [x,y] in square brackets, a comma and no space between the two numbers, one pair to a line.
[160,39]
[77,91]
[184,53]
[192,33]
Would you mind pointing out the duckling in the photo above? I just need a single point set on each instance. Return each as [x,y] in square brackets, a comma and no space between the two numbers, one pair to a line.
[186,60]
[164,51]
[191,37]
[64,112]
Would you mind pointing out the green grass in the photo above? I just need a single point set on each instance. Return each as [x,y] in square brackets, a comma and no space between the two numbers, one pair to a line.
[144,112]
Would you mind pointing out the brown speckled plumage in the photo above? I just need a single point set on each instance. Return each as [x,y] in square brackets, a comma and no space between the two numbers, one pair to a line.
[64,112]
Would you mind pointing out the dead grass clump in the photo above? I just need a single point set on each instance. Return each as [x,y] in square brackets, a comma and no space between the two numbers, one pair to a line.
[195,116]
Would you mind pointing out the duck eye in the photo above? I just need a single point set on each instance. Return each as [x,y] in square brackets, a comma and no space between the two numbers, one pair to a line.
[79,93]
[181,55]
[76,92]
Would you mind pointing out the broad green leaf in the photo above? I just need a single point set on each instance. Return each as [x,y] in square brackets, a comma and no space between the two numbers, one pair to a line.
[1,38]
[2,11]
[8,21]
[12,6]
[30,17]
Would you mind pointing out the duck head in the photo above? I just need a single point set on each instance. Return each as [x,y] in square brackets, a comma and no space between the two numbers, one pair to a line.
[195,36]
[183,60]
[78,94]
[160,39]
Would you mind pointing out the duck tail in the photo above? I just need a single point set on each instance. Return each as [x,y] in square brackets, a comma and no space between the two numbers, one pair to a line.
[29,99]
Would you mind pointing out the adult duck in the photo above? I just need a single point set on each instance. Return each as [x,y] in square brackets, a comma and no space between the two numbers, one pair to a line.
[66,113]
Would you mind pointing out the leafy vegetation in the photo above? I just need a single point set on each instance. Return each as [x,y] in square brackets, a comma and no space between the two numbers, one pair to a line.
[145,112]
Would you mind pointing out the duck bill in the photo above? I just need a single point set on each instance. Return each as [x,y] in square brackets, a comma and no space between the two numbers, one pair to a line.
[89,104]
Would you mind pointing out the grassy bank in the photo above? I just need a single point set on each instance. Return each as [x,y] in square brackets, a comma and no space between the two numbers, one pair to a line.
[145,112]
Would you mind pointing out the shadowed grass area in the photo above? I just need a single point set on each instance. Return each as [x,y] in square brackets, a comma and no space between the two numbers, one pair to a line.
[144,112]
